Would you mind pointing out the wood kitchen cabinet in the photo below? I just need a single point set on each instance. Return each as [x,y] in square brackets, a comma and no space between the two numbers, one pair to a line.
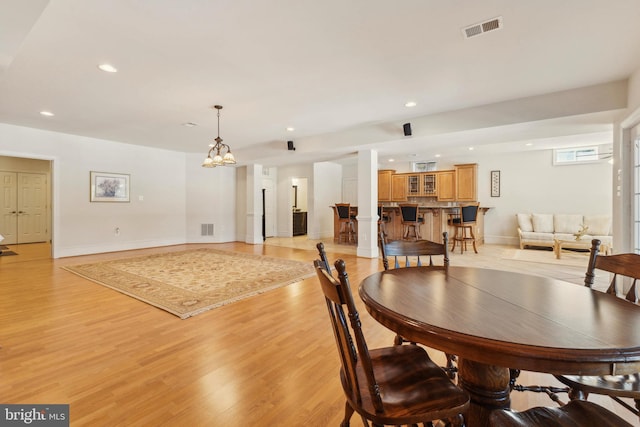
[413,185]
[421,184]
[446,184]
[384,184]
[428,184]
[398,188]
[466,182]
[459,184]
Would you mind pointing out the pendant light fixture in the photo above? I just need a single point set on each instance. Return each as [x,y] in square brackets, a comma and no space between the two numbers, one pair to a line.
[218,159]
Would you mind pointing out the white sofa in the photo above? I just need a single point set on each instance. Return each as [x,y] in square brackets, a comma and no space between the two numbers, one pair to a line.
[541,229]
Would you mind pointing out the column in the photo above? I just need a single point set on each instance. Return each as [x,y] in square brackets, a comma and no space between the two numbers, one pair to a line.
[367,204]
[254,205]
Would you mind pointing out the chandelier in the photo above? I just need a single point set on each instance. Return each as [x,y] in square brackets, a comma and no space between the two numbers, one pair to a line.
[218,159]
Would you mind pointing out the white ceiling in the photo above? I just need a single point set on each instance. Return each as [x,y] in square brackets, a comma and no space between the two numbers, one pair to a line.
[339,71]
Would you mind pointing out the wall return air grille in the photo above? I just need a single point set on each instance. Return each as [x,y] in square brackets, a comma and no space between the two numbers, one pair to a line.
[483,27]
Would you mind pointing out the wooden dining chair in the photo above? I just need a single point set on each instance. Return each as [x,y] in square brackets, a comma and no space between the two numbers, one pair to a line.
[463,222]
[417,249]
[577,413]
[395,385]
[383,219]
[620,266]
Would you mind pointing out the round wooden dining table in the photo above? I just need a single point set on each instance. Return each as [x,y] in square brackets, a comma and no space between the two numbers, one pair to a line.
[495,320]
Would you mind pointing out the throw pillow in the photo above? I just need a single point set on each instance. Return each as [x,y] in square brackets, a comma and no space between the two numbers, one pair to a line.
[599,225]
[542,223]
[524,222]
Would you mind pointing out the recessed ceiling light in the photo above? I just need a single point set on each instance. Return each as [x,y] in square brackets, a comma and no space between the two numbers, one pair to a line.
[437,155]
[392,160]
[290,129]
[529,144]
[108,68]
[411,104]
[47,113]
[190,124]
[470,148]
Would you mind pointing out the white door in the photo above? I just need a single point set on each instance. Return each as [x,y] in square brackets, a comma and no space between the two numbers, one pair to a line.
[24,207]
[9,207]
[32,207]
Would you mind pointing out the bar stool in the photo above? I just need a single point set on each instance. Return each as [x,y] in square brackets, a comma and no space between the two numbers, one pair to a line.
[347,223]
[383,219]
[410,220]
[464,221]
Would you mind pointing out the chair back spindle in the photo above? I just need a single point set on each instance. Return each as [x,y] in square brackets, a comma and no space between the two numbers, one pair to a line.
[420,248]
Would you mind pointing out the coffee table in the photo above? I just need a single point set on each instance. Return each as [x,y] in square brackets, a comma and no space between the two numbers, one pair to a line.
[559,245]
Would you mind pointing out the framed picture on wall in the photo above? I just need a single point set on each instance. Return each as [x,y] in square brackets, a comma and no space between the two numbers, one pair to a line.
[109,187]
[495,183]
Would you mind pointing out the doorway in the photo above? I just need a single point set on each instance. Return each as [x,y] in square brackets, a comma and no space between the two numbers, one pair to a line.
[25,208]
[299,206]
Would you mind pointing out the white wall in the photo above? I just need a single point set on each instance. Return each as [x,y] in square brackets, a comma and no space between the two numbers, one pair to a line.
[80,227]
[530,183]
[325,192]
[210,197]
[633,96]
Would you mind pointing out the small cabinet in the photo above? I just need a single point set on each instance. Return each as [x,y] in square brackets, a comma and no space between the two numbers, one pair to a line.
[299,223]
[421,184]
[428,184]
[446,186]
[413,185]
[466,182]
[384,185]
[398,188]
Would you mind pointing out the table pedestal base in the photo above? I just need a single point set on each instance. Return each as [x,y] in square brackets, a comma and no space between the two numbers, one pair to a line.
[488,387]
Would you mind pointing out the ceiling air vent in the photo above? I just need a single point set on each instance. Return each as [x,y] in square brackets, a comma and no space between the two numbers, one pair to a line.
[483,27]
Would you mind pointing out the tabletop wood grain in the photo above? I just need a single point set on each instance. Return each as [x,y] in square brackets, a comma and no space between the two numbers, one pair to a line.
[508,319]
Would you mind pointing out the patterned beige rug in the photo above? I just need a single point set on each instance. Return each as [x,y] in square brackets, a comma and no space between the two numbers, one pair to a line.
[189,282]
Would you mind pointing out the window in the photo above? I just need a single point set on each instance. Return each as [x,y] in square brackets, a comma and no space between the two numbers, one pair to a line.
[572,156]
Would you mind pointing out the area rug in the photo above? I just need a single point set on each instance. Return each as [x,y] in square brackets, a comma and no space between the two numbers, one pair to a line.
[190,282]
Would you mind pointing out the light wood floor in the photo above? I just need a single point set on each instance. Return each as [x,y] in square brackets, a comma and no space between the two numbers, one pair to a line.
[268,360]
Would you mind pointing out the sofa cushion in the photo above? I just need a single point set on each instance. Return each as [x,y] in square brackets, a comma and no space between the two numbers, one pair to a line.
[524,222]
[542,223]
[599,225]
[563,223]
[564,236]
[537,237]
[604,240]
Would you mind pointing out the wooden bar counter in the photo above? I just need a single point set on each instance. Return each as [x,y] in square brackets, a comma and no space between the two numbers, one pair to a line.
[435,222]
